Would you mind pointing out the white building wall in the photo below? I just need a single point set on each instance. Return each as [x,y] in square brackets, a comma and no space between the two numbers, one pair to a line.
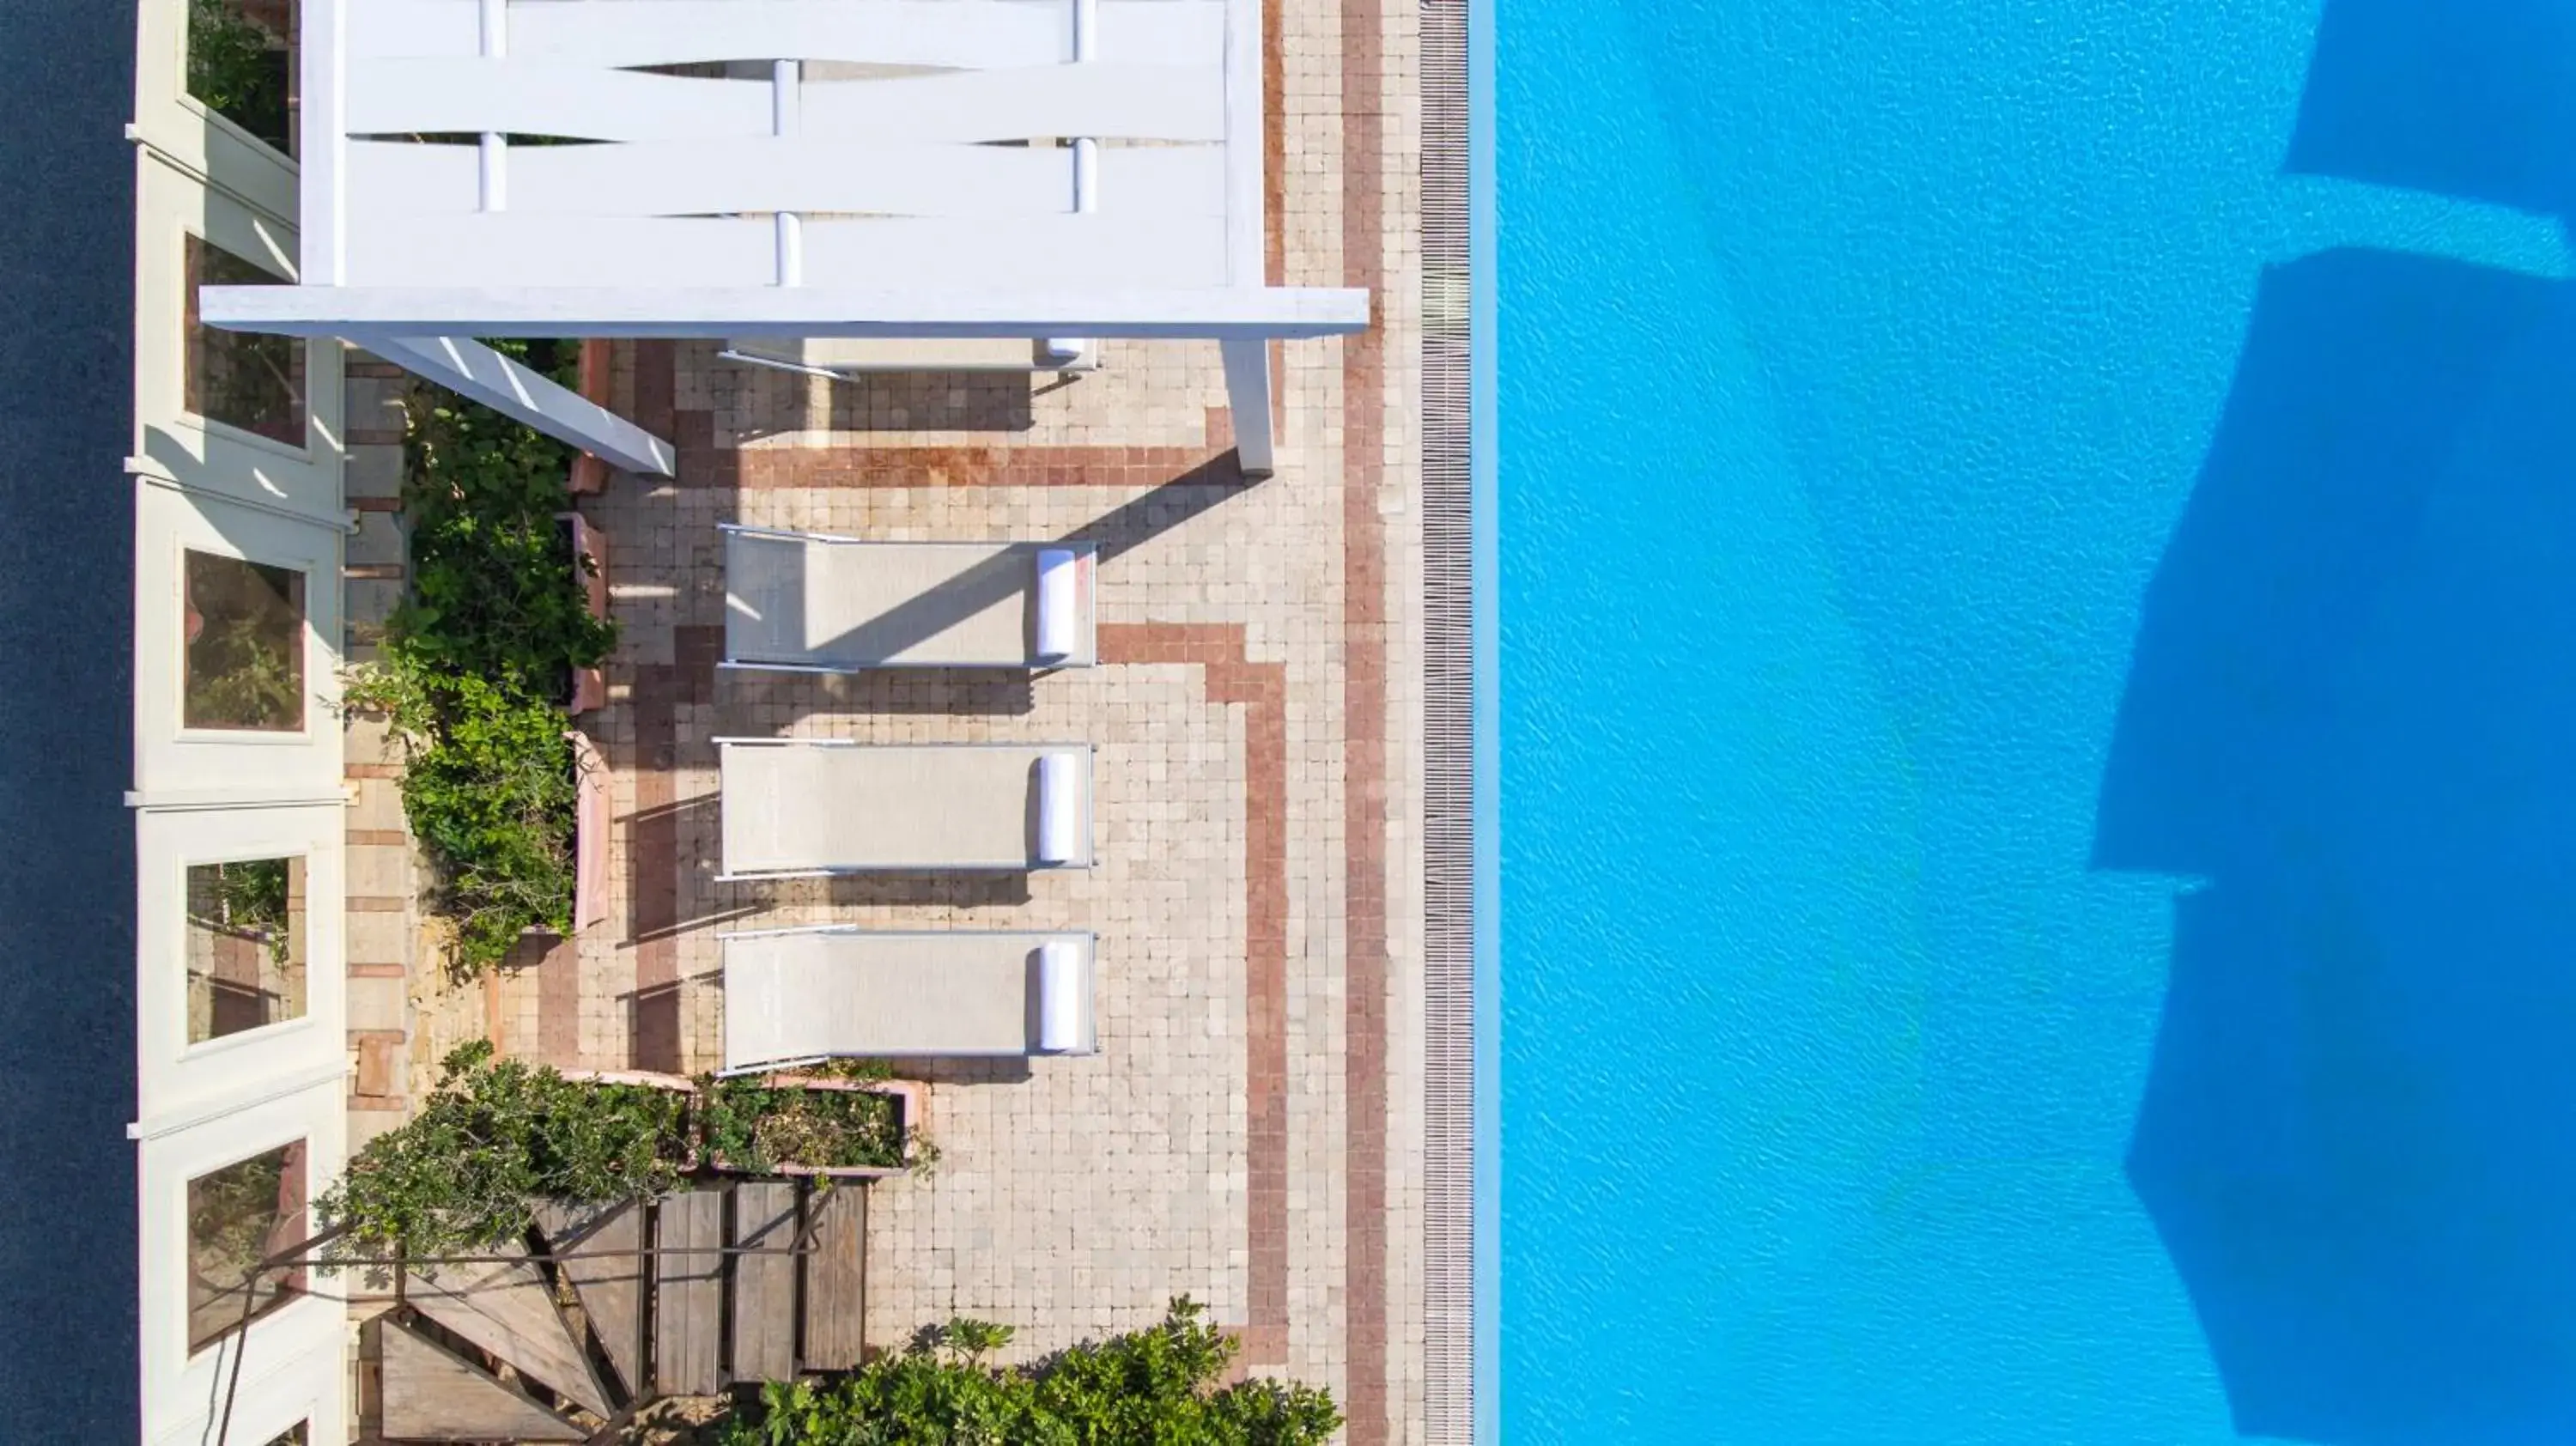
[203,796]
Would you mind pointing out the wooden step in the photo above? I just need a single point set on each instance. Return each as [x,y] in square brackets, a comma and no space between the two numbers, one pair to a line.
[764,1286]
[433,1394]
[597,1249]
[688,1305]
[509,1310]
[836,1280]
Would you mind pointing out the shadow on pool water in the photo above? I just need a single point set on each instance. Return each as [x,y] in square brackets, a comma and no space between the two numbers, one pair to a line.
[2351,719]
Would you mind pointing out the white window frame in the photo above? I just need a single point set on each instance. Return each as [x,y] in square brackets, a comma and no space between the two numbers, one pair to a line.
[173,759]
[177,444]
[293,1367]
[175,1076]
[196,139]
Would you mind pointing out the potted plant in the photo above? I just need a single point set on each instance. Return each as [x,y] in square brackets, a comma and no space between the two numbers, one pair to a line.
[841,1125]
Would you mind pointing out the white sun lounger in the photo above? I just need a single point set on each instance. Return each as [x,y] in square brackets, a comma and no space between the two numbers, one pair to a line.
[806,602]
[794,996]
[798,807]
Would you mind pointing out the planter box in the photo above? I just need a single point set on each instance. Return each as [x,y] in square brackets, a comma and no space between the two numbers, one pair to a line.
[912,1107]
[589,832]
[648,1079]
[589,685]
[911,1099]
[589,474]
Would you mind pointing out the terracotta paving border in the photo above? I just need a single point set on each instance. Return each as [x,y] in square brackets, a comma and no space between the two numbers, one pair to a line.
[1364,694]
[1230,677]
[1262,689]
[704,464]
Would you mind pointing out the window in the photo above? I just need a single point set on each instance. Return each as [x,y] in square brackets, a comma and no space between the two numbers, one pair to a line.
[295,1435]
[245,946]
[240,378]
[245,639]
[241,65]
[238,1216]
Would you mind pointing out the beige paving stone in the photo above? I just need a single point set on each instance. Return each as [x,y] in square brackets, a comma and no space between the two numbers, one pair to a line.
[1074,1197]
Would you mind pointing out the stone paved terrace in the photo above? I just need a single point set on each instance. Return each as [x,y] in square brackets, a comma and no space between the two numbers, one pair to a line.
[1250,1133]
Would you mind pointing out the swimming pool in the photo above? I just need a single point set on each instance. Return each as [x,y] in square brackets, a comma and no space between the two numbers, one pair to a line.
[2037,556]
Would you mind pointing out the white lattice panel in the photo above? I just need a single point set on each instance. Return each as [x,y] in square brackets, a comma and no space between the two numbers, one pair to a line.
[1065,143]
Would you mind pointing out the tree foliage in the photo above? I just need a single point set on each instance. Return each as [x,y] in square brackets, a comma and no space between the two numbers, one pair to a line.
[495,1137]
[1154,1387]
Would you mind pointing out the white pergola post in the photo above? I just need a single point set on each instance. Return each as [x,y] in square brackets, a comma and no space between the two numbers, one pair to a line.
[1247,396]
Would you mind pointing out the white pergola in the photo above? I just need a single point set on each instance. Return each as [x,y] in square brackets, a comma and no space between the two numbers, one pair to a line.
[858,168]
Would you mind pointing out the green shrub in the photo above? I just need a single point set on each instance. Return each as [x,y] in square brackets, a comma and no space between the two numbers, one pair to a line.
[1154,1387]
[494,593]
[476,664]
[498,1135]
[494,1137]
[489,786]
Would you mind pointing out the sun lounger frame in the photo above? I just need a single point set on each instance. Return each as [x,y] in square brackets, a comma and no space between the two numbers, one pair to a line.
[1091,945]
[1026,664]
[1091,813]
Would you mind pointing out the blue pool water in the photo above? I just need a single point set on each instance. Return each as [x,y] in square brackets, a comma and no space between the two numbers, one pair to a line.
[2038,704]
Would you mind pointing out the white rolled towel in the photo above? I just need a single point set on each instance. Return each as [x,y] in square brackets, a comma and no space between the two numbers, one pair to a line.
[1064,809]
[1059,604]
[1064,998]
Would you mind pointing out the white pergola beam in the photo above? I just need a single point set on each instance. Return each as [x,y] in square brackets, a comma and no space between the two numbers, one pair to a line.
[813,312]
[479,373]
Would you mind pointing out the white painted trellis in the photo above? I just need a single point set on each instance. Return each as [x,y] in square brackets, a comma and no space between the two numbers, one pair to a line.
[898,168]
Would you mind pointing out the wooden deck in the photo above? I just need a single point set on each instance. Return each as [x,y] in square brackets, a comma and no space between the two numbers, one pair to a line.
[688,1289]
[764,1286]
[836,1281]
[681,1296]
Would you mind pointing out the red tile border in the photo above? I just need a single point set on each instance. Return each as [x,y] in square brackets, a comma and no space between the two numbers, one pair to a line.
[1230,678]
[559,1004]
[1274,147]
[1262,690]
[1364,718]
[1000,464]
[653,884]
